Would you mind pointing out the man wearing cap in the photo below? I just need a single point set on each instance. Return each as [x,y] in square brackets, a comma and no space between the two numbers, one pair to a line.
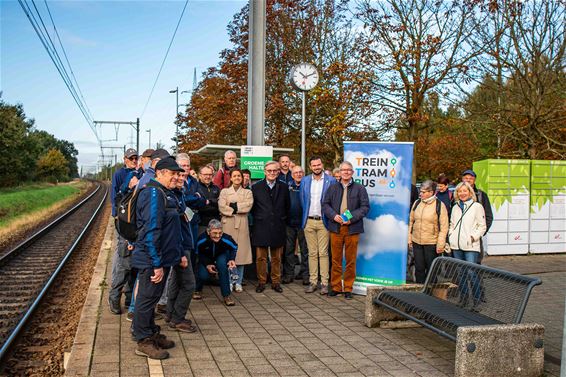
[149,173]
[145,161]
[157,248]
[469,176]
[124,179]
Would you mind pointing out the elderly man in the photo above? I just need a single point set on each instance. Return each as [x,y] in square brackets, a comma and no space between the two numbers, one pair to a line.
[157,248]
[295,232]
[270,211]
[313,191]
[345,205]
[222,177]
[123,180]
[149,173]
[210,192]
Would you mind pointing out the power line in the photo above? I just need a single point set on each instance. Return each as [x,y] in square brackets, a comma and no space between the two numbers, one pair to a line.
[66,58]
[164,59]
[55,58]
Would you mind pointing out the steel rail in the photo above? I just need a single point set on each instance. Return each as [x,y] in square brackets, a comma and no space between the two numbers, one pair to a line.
[35,303]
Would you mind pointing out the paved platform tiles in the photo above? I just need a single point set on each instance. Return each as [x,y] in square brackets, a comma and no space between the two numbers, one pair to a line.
[292,334]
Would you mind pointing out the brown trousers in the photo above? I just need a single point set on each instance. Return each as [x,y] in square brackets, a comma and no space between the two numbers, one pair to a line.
[261,264]
[339,243]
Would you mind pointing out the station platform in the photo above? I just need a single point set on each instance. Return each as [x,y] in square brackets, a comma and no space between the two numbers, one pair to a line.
[292,333]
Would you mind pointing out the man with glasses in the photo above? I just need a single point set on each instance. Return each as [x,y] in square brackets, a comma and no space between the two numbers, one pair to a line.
[210,192]
[157,248]
[270,209]
[345,205]
[124,179]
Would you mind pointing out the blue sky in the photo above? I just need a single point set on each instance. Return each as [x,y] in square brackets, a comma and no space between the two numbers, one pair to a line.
[115,49]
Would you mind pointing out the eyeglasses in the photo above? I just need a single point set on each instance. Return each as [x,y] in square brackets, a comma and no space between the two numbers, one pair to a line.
[133,158]
[346,170]
[272,171]
[207,175]
[425,191]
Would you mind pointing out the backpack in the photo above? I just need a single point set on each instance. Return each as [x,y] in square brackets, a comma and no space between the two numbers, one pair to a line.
[438,209]
[126,216]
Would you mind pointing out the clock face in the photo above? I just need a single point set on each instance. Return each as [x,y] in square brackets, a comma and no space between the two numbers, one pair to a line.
[304,76]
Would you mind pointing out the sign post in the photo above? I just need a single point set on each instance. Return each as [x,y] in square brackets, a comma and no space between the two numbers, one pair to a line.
[385,169]
[254,157]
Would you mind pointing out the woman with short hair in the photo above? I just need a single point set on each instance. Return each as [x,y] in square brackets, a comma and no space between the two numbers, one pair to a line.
[428,226]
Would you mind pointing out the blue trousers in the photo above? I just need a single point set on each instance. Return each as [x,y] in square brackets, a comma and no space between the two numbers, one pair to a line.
[146,299]
[223,275]
[469,279]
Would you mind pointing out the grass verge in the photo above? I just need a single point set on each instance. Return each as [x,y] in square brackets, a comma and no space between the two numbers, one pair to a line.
[23,208]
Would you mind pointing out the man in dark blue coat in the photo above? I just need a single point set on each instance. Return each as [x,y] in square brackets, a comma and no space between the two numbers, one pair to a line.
[158,247]
[270,211]
[295,232]
[123,181]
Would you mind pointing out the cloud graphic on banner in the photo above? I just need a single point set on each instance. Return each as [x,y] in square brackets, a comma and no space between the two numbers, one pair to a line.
[395,173]
[387,235]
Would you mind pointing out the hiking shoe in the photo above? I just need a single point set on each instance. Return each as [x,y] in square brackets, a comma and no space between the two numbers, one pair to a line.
[311,288]
[324,289]
[348,295]
[161,309]
[260,288]
[114,307]
[238,288]
[229,301]
[162,342]
[148,348]
[306,281]
[183,326]
[333,293]
[277,288]
[130,316]
[197,295]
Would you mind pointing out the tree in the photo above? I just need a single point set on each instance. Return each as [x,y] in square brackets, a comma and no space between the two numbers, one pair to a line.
[53,166]
[415,47]
[524,65]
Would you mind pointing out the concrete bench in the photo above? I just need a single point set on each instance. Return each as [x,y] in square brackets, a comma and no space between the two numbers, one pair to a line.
[478,307]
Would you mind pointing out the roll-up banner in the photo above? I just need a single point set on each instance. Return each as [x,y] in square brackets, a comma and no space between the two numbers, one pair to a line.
[385,169]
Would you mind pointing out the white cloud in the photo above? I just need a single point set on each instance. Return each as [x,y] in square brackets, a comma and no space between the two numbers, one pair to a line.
[383,234]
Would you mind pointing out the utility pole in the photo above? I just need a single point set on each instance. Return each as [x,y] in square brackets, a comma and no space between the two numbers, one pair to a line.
[149,145]
[176,91]
[135,125]
[256,73]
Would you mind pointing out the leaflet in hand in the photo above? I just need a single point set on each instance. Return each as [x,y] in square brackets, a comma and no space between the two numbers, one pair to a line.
[346,216]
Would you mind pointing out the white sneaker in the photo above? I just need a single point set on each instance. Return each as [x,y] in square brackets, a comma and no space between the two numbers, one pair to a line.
[231,287]
[238,288]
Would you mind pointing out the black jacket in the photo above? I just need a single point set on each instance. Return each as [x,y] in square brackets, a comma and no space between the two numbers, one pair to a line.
[295,219]
[269,212]
[484,200]
[208,250]
[358,205]
[209,211]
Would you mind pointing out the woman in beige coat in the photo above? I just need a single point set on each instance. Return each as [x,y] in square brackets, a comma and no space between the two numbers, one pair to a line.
[428,226]
[234,204]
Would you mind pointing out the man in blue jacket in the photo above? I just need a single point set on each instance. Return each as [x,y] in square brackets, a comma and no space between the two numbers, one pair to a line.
[345,205]
[158,247]
[295,232]
[313,191]
[124,179]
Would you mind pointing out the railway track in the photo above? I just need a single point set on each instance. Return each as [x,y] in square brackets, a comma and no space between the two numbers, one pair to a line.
[27,271]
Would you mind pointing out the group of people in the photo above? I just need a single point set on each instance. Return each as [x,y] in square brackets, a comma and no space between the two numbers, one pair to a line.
[190,231]
[442,222]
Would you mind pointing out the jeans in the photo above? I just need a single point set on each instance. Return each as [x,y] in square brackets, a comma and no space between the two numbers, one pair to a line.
[424,256]
[468,277]
[148,295]
[240,272]
[121,272]
[223,275]
[294,233]
[181,288]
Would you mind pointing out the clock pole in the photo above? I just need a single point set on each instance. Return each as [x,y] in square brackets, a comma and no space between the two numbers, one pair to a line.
[303,132]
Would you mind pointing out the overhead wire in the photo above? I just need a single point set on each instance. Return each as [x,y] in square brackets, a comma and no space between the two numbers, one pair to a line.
[51,50]
[164,59]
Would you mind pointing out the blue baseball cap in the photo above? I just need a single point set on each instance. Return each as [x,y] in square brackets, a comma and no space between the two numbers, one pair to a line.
[469,172]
